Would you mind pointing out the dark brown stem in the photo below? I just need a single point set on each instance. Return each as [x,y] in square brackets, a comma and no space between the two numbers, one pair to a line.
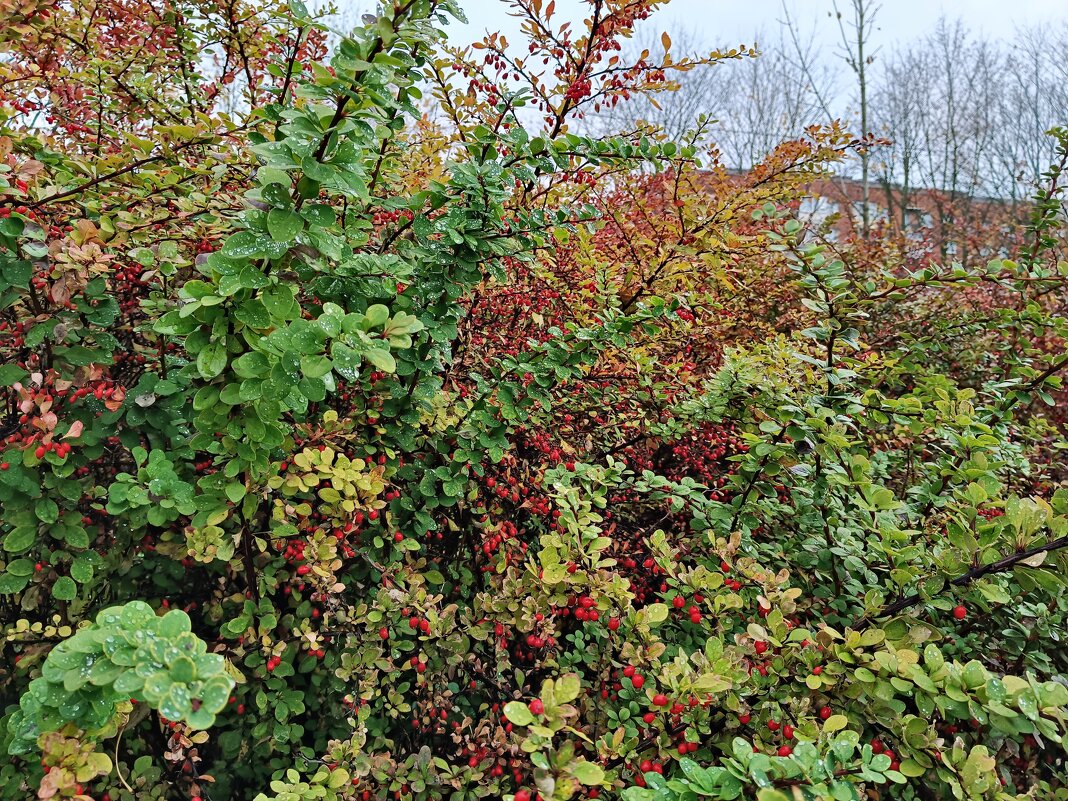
[131,167]
[753,480]
[1000,566]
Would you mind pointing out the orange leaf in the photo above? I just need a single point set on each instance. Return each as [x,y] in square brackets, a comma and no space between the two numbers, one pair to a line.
[665,40]
[115,402]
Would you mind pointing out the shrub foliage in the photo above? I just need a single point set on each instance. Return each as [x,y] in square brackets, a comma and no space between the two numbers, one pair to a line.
[371,432]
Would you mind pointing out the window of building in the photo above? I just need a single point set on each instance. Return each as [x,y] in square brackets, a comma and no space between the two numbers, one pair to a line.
[917,219]
[917,223]
[876,213]
[814,211]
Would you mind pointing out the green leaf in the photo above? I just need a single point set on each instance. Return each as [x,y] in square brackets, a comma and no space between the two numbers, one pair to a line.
[932,658]
[200,719]
[402,325]
[318,214]
[657,613]
[346,361]
[128,683]
[81,570]
[183,670]
[243,245]
[212,360]
[253,314]
[20,539]
[284,224]
[315,366]
[278,299]
[835,723]
[20,567]
[11,226]
[64,589]
[104,672]
[381,359]
[517,713]
[215,693]
[175,705]
[567,688]
[47,510]
[376,316]
[587,772]
[142,256]
[911,768]
[339,777]
[249,365]
[10,583]
[10,373]
[173,624]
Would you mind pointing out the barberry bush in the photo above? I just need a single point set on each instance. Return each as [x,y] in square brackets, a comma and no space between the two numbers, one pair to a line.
[370,432]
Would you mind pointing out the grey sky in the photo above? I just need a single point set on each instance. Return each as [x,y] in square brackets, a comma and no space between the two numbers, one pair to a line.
[724,23]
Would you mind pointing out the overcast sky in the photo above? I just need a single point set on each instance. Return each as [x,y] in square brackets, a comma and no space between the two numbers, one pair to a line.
[723,23]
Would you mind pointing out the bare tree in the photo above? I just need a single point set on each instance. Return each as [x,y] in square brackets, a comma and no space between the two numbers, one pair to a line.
[1034,98]
[965,115]
[900,104]
[756,103]
[856,43]
[676,108]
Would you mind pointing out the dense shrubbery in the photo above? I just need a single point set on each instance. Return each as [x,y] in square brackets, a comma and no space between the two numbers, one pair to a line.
[477,461]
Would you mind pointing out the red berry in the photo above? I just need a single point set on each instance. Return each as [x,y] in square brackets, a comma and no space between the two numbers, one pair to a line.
[536,707]
[744,718]
[522,795]
[825,712]
[960,612]
[773,725]
[638,681]
[613,623]
[678,602]
[660,700]
[760,646]
[784,751]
